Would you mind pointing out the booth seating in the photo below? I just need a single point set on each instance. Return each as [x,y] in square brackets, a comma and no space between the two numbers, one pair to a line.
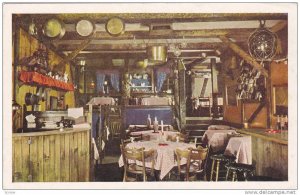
[156,101]
[137,115]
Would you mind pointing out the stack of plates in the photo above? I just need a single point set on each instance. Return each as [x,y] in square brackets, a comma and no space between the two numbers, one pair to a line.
[50,125]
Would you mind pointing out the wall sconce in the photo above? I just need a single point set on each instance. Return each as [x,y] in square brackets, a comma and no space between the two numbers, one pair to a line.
[15,106]
[16,116]
[82,64]
[92,84]
[32,29]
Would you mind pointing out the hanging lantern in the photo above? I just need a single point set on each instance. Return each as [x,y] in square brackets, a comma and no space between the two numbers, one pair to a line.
[262,43]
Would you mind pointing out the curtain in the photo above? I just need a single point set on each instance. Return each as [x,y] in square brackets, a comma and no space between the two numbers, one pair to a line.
[161,77]
[100,77]
[115,80]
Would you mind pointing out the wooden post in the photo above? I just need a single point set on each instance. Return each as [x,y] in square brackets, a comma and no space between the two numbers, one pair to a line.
[176,96]
[268,97]
[16,43]
[182,96]
[244,55]
[215,90]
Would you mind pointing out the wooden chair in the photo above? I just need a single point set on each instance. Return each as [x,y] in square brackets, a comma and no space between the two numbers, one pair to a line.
[115,127]
[130,159]
[113,120]
[124,142]
[196,162]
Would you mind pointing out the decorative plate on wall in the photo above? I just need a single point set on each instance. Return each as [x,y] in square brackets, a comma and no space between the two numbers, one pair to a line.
[115,26]
[85,28]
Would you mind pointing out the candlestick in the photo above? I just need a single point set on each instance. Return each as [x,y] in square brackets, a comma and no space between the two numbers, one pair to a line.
[162,126]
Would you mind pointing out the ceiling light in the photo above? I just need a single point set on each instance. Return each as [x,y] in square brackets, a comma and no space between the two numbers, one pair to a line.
[177,52]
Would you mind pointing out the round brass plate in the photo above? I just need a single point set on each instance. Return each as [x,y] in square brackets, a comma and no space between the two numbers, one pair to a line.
[115,26]
[85,28]
[54,28]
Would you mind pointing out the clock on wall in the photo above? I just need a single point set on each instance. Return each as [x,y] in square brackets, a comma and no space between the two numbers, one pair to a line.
[115,26]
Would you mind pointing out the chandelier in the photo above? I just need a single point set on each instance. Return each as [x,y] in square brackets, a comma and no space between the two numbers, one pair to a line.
[262,43]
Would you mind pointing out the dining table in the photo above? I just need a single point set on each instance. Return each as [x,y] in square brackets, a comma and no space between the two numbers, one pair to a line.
[240,146]
[217,139]
[164,154]
[219,127]
[102,101]
[149,133]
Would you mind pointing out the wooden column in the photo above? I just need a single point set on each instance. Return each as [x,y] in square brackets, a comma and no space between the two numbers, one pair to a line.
[214,75]
[182,95]
[268,96]
[16,43]
[215,90]
[176,97]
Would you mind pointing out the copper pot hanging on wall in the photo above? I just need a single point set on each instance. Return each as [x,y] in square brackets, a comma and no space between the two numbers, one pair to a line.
[157,54]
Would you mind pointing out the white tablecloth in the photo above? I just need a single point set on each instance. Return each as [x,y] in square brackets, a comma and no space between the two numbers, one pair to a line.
[241,148]
[216,139]
[156,136]
[164,156]
[102,101]
[156,101]
[219,127]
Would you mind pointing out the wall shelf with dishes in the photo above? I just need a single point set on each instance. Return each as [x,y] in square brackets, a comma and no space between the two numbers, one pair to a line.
[141,83]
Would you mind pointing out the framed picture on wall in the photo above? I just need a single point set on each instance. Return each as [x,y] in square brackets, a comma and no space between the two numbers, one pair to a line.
[231,98]
[280,100]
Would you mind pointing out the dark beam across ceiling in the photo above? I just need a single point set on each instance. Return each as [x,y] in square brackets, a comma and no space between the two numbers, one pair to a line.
[148,18]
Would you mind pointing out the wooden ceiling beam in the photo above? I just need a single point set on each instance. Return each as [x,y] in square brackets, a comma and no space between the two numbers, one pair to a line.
[240,52]
[152,34]
[279,26]
[128,47]
[71,56]
[170,17]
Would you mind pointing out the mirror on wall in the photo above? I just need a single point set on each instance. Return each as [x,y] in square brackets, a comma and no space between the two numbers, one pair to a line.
[280,100]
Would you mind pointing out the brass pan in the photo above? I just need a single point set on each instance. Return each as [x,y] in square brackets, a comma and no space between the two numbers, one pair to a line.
[54,28]
[85,28]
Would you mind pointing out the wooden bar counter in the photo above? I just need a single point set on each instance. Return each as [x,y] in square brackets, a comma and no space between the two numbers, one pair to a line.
[52,156]
[269,152]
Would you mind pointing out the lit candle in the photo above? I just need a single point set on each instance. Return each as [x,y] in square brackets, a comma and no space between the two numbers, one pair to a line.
[162,126]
